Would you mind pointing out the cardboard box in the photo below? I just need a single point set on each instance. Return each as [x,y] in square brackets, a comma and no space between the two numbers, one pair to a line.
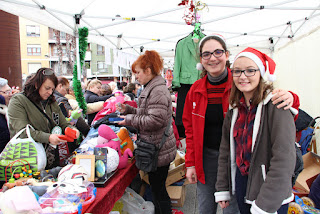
[177,195]
[176,171]
[311,165]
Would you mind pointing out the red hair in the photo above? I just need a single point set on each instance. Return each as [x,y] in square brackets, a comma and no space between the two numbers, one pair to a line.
[150,59]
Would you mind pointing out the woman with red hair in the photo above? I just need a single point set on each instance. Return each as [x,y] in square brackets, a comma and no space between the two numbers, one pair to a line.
[151,119]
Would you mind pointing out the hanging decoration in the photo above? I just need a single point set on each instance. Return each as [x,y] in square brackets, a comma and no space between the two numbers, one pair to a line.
[200,6]
[189,11]
[83,44]
[196,32]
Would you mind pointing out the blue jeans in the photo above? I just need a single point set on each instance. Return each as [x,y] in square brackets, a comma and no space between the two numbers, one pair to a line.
[241,189]
[205,192]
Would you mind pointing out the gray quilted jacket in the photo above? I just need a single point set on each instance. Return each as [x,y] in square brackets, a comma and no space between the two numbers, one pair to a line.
[152,116]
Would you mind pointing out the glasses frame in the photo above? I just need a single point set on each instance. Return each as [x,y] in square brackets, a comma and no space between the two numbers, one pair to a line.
[213,53]
[7,92]
[245,72]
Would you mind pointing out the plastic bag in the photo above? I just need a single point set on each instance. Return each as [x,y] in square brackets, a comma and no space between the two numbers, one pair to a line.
[133,203]
[23,148]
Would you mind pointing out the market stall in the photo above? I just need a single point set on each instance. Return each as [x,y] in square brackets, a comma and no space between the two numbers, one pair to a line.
[114,189]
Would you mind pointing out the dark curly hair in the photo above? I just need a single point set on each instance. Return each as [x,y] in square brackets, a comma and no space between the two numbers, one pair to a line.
[32,86]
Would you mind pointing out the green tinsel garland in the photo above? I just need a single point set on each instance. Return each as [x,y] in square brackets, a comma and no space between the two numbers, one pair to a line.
[83,44]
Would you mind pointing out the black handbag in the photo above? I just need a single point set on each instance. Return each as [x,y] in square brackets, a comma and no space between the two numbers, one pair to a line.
[146,153]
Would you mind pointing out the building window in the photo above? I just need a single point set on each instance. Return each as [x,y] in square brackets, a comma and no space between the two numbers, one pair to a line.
[34,50]
[55,51]
[101,66]
[62,35]
[33,67]
[33,30]
[100,50]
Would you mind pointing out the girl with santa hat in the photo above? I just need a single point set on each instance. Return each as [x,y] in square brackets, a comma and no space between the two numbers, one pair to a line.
[206,105]
[257,153]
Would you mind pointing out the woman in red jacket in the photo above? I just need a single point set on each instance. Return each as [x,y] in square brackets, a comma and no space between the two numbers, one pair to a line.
[205,108]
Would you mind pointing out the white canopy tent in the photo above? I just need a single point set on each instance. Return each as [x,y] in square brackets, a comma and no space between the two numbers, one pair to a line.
[277,27]
[158,25]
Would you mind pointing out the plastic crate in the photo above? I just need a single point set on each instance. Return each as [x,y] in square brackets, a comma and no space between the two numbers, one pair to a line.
[69,203]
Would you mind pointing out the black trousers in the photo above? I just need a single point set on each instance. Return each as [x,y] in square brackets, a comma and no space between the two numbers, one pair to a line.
[160,197]
[182,93]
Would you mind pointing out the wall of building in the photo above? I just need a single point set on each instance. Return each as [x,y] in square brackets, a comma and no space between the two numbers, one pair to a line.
[25,40]
[10,66]
[298,70]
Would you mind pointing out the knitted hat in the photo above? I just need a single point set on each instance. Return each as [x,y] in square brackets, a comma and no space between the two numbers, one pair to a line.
[199,65]
[261,60]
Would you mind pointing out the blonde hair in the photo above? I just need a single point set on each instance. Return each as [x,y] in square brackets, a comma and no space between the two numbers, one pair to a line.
[113,86]
[92,83]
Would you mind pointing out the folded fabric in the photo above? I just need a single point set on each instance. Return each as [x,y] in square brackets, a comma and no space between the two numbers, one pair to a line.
[20,199]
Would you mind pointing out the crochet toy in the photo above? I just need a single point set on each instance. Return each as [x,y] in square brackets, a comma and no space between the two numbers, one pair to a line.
[69,135]
[50,174]
[74,116]
[125,140]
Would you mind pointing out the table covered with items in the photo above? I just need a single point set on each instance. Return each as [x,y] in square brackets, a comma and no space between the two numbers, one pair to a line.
[113,190]
[95,177]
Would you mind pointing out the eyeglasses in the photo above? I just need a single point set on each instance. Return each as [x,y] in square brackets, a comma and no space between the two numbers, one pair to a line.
[217,53]
[47,72]
[7,92]
[247,72]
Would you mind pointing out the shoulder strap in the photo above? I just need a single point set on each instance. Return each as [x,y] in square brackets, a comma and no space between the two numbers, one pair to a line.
[48,118]
[166,133]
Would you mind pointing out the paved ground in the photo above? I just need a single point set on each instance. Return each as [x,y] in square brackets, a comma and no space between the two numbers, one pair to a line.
[190,204]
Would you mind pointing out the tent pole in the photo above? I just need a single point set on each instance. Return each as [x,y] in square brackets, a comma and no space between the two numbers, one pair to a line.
[264,7]
[100,34]
[77,22]
[243,12]
[127,19]
[305,21]
[281,36]
[42,7]
[142,17]
[130,45]
[139,19]
[78,57]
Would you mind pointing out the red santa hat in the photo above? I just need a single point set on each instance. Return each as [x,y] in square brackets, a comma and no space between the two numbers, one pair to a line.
[261,60]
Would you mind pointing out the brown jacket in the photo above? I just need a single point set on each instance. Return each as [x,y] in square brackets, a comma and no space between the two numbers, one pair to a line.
[152,116]
[272,161]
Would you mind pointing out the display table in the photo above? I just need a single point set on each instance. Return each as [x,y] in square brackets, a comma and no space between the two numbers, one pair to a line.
[107,196]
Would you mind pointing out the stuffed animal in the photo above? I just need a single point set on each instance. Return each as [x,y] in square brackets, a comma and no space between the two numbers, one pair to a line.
[74,116]
[123,159]
[107,138]
[125,140]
